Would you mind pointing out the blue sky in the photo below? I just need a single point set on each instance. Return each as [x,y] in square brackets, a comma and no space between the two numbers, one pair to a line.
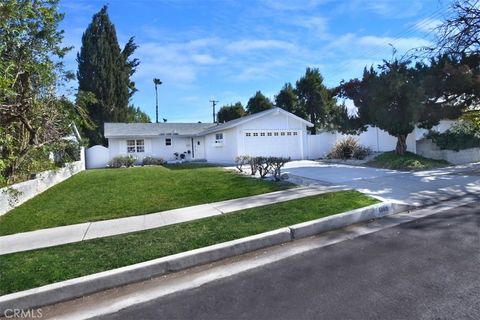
[227,50]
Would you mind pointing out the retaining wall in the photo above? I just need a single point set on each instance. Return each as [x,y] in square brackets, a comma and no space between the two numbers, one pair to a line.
[428,149]
[14,195]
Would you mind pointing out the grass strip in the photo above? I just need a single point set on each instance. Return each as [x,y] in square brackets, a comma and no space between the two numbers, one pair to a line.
[114,193]
[25,270]
[409,161]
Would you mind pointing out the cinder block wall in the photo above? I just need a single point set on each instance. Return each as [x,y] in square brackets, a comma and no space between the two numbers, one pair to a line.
[428,149]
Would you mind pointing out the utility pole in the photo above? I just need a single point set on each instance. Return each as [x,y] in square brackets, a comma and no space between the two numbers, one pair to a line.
[157,82]
[214,103]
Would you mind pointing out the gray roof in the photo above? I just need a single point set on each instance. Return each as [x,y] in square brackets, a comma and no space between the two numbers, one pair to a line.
[233,123]
[119,130]
[114,130]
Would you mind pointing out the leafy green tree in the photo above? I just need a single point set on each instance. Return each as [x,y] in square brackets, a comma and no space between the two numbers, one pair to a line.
[314,99]
[287,99]
[137,115]
[258,103]
[230,112]
[105,70]
[32,117]
[398,96]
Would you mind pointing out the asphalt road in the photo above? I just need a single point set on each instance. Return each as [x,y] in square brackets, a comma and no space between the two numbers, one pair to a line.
[425,269]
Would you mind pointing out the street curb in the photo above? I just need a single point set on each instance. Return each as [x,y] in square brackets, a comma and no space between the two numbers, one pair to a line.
[379,210]
[78,287]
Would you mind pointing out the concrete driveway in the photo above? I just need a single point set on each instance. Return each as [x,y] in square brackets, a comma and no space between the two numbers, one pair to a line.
[417,188]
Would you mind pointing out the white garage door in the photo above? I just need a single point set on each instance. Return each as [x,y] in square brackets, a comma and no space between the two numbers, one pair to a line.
[275,143]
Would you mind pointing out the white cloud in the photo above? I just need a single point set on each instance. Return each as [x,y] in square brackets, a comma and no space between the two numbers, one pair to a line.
[205,59]
[427,25]
[178,62]
[317,25]
[243,46]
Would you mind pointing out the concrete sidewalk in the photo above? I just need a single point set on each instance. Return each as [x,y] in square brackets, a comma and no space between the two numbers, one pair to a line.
[91,230]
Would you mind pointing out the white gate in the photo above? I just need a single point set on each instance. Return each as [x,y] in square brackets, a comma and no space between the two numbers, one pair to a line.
[96,157]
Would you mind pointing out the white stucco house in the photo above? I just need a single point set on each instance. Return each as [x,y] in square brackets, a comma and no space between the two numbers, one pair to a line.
[274,132]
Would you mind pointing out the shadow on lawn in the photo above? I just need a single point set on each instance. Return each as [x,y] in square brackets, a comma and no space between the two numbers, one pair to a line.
[188,165]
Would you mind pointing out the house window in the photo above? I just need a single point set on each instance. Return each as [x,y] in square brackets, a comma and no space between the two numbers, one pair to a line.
[248,134]
[275,134]
[135,146]
[219,136]
[295,133]
[168,141]
[289,133]
[130,146]
[255,134]
[282,133]
[198,143]
[269,134]
[140,146]
[262,134]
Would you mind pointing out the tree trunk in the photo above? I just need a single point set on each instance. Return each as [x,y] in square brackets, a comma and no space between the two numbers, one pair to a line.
[313,130]
[401,144]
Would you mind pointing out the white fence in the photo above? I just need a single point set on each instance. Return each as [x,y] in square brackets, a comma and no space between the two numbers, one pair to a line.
[319,145]
[97,157]
[14,195]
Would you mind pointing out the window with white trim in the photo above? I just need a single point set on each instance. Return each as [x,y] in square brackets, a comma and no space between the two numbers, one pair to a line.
[130,146]
[275,134]
[269,134]
[289,133]
[255,134]
[168,141]
[135,146]
[140,145]
[282,133]
[219,138]
[248,134]
[295,133]
[262,134]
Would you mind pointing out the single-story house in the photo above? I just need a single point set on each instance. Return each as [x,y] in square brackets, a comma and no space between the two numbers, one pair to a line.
[274,132]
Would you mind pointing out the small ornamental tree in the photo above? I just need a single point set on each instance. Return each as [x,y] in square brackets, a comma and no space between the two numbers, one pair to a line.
[397,96]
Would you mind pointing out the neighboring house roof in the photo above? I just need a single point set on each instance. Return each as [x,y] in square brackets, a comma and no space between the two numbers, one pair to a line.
[236,122]
[119,130]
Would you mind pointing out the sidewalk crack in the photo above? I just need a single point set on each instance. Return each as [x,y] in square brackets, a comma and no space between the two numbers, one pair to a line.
[86,231]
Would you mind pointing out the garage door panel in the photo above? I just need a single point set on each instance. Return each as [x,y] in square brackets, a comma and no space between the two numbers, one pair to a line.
[273,143]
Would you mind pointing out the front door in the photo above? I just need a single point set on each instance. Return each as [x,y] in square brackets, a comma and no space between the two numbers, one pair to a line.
[198,148]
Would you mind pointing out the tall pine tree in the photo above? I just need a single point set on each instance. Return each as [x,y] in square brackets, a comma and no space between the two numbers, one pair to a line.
[104,70]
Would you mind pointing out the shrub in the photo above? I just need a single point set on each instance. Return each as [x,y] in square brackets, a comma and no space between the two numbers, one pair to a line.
[348,148]
[263,166]
[464,135]
[252,163]
[152,161]
[276,164]
[122,161]
[240,161]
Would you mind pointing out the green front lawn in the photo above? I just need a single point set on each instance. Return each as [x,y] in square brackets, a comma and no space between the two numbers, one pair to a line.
[113,193]
[24,270]
[409,161]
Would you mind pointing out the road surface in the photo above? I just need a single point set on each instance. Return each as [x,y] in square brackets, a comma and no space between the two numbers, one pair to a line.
[425,269]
